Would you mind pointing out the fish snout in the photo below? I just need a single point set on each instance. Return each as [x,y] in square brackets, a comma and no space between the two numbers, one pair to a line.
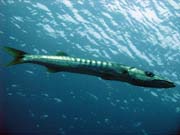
[167,84]
[171,84]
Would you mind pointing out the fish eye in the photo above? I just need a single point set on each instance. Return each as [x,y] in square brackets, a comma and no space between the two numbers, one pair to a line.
[149,74]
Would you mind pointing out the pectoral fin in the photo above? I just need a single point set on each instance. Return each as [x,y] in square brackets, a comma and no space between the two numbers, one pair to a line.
[107,77]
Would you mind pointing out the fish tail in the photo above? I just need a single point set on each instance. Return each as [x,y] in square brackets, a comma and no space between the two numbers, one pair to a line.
[17,54]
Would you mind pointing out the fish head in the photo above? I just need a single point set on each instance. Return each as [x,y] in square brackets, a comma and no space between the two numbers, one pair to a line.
[148,79]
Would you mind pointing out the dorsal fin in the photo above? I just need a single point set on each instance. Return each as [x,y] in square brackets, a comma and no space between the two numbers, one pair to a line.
[61,53]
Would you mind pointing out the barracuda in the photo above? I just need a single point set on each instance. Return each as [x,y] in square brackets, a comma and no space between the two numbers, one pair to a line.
[105,70]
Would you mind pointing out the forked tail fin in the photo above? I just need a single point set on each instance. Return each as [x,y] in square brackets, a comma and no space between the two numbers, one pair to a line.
[17,54]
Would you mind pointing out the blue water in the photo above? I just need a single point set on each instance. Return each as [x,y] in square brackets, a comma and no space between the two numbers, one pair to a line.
[143,34]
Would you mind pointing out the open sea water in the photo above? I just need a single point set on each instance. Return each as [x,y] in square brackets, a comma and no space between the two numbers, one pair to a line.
[140,33]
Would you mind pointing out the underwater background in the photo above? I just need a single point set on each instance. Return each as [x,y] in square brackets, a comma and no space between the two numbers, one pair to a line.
[140,33]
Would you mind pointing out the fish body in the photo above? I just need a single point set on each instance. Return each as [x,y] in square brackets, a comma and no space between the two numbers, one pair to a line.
[106,70]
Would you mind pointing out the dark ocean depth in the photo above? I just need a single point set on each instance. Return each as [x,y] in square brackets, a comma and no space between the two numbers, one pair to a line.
[139,33]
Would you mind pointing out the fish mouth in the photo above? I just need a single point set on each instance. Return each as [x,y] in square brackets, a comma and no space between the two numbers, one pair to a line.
[167,84]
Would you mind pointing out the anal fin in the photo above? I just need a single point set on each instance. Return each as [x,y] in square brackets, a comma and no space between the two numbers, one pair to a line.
[51,69]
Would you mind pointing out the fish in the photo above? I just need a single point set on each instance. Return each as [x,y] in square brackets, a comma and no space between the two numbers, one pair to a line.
[62,62]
